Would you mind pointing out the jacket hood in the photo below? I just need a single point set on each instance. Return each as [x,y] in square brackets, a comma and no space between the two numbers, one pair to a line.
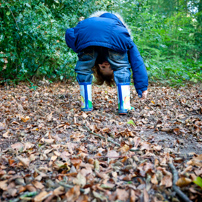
[112,15]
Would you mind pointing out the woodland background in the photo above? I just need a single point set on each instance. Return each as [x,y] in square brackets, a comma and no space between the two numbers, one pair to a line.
[168,35]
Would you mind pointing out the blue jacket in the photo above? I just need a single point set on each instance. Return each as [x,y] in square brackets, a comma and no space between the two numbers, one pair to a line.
[108,31]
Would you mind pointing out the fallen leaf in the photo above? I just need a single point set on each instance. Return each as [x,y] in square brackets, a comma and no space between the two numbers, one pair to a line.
[146,195]
[97,165]
[25,119]
[154,179]
[198,181]
[80,180]
[84,115]
[183,181]
[197,161]
[73,194]
[18,146]
[112,154]
[167,181]
[99,196]
[76,162]
[5,135]
[38,184]
[49,117]
[24,161]
[49,141]
[40,197]
[58,191]
[122,195]
[124,149]
[2,126]
[3,185]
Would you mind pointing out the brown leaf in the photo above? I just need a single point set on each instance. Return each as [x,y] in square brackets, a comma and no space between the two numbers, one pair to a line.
[146,195]
[167,181]
[105,130]
[154,179]
[53,158]
[183,181]
[145,146]
[76,162]
[40,197]
[73,194]
[124,149]
[24,161]
[132,196]
[197,161]
[38,184]
[18,146]
[28,145]
[48,141]
[30,188]
[112,154]
[102,175]
[80,180]
[49,117]
[3,185]
[2,126]
[157,147]
[5,135]
[11,162]
[58,191]
[84,115]
[122,194]
[25,119]
[198,172]
[12,191]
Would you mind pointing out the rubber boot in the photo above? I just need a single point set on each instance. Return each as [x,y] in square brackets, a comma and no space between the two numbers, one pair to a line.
[86,96]
[123,90]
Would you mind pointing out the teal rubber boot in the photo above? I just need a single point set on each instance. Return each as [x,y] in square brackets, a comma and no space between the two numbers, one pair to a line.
[123,90]
[86,96]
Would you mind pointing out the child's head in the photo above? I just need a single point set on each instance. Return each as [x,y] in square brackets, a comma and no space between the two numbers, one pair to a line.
[103,73]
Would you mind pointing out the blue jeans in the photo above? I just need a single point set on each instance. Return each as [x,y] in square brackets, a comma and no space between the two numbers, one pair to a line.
[118,61]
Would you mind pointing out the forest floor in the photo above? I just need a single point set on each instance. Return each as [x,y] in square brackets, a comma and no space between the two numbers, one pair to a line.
[51,151]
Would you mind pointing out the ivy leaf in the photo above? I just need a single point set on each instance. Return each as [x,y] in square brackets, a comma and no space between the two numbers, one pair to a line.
[131,122]
[198,181]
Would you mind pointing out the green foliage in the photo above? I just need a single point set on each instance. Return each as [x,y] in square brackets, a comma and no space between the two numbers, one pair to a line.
[32,38]
[131,122]
[198,181]
[168,35]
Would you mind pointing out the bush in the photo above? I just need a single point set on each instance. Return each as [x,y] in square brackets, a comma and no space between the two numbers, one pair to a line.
[33,43]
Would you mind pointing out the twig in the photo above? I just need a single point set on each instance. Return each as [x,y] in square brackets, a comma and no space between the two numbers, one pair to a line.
[109,139]
[12,14]
[175,187]
[70,186]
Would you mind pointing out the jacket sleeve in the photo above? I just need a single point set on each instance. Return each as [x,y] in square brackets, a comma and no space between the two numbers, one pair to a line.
[139,70]
[70,39]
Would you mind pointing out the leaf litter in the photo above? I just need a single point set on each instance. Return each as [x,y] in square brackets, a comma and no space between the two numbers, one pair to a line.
[51,151]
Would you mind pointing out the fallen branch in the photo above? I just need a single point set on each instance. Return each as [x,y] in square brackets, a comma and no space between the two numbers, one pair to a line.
[109,139]
[175,187]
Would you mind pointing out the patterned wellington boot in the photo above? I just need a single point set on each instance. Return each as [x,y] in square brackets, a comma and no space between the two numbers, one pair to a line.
[123,90]
[86,96]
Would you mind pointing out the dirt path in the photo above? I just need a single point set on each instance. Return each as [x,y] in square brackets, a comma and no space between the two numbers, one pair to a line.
[46,144]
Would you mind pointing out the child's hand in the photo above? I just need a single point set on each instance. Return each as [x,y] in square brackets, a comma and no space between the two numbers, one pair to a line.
[144,94]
